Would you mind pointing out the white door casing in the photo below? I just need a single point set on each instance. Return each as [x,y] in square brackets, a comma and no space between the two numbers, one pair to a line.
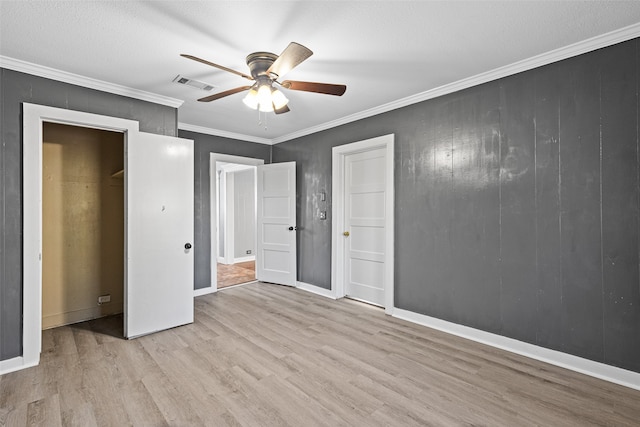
[158,233]
[364,225]
[213,197]
[373,249]
[226,205]
[33,118]
[276,243]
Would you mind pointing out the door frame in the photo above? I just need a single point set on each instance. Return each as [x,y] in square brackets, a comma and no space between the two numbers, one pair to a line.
[229,224]
[33,118]
[339,154]
[213,198]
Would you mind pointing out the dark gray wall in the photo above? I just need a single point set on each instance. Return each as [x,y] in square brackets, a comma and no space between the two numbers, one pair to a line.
[517,205]
[16,88]
[203,146]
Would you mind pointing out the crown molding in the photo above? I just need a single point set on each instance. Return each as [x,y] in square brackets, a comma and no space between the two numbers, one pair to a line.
[579,48]
[224,133]
[78,80]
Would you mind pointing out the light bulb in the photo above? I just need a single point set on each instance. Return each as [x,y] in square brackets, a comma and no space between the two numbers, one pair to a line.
[264,98]
[278,98]
[251,100]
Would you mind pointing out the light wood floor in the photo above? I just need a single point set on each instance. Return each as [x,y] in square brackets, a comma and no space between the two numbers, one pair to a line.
[269,355]
[234,274]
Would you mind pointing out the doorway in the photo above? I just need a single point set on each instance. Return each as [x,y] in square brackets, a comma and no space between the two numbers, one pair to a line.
[158,265]
[233,190]
[236,210]
[363,227]
[83,230]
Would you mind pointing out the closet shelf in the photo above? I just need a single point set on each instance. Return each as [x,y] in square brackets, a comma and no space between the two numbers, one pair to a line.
[118,174]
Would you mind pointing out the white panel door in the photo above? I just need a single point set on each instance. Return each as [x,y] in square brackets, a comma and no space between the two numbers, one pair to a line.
[159,233]
[365,207]
[276,245]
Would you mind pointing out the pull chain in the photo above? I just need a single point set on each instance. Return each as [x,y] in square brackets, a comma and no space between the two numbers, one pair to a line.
[260,121]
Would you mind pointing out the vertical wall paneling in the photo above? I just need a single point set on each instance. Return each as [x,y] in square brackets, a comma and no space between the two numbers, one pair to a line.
[4,331]
[619,124]
[413,162]
[547,207]
[476,188]
[518,302]
[516,205]
[11,302]
[580,231]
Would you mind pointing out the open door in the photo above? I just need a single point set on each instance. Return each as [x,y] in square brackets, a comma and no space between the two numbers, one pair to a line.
[276,245]
[159,233]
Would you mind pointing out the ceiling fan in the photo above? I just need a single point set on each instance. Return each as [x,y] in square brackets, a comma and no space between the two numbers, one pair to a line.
[266,69]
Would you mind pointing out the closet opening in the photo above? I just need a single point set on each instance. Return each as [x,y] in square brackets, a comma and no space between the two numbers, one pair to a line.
[82,225]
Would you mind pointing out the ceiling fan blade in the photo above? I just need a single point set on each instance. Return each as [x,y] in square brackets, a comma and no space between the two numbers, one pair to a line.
[223,94]
[290,58]
[326,88]
[221,67]
[282,110]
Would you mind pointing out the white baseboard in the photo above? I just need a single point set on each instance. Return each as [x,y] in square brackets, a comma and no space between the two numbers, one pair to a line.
[578,364]
[237,260]
[204,291]
[15,364]
[328,293]
[82,315]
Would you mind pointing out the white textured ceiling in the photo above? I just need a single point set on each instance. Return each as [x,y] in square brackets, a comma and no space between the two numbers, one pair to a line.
[383,51]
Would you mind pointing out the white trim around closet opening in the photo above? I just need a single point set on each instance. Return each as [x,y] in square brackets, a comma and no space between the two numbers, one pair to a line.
[33,118]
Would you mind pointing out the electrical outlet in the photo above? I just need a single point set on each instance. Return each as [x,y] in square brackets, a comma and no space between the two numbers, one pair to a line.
[323,214]
[102,299]
[249,252]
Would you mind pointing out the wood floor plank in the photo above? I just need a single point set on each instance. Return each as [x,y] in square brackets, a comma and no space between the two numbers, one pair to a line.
[174,406]
[268,355]
[44,412]
[14,415]
[140,406]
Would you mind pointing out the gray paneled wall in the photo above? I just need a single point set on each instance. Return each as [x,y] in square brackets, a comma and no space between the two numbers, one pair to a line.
[16,88]
[203,146]
[517,205]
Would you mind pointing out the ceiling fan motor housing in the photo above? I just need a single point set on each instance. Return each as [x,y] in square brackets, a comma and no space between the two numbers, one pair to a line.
[259,63]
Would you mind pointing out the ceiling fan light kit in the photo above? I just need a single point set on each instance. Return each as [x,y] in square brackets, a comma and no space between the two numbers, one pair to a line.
[266,68]
[278,99]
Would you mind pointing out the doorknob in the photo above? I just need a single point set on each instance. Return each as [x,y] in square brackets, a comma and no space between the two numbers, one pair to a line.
[187,245]
[345,234]
[292,228]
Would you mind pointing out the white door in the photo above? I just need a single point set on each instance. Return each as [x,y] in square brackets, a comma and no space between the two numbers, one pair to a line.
[159,233]
[276,245]
[364,232]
